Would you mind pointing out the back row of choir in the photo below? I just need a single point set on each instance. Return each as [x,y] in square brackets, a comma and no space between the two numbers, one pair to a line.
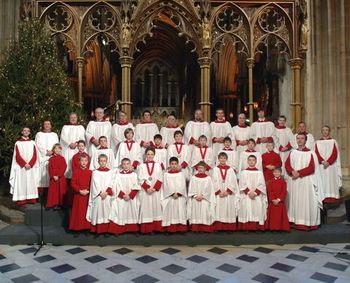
[312,177]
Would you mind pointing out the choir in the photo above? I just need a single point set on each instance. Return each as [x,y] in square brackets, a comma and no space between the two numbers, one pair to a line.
[211,177]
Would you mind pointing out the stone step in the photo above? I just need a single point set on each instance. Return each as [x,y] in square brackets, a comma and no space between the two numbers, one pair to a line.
[52,218]
[336,215]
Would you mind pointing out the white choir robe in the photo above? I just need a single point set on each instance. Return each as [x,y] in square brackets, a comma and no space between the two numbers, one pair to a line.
[201,212]
[160,157]
[167,134]
[305,194]
[310,142]
[111,163]
[194,130]
[24,183]
[70,134]
[232,158]
[183,154]
[99,209]
[332,176]
[197,157]
[241,133]
[134,154]
[243,162]
[45,141]
[284,138]
[220,130]
[96,129]
[125,212]
[265,129]
[252,210]
[150,207]
[226,207]
[117,135]
[174,210]
[145,132]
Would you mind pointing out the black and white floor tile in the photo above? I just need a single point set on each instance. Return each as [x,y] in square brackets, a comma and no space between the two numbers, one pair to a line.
[202,264]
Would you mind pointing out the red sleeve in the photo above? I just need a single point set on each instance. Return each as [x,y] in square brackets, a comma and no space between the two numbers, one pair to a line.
[289,146]
[92,139]
[309,169]
[133,194]
[207,167]
[258,140]
[62,167]
[270,197]
[237,142]
[34,157]
[229,191]
[246,191]
[145,186]
[74,183]
[217,192]
[264,161]
[162,166]
[191,140]
[258,192]
[269,139]
[288,166]
[121,194]
[213,140]
[333,156]
[319,157]
[283,192]
[52,171]
[142,143]
[20,161]
[184,164]
[109,191]
[135,164]
[158,185]
[279,161]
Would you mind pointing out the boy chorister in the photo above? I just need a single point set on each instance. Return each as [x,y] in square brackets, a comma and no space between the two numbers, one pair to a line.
[243,164]
[202,153]
[174,196]
[270,161]
[161,153]
[232,156]
[81,152]
[182,152]
[150,175]
[80,184]
[226,192]
[58,183]
[100,197]
[252,211]
[129,149]
[277,217]
[201,201]
[124,214]
[103,149]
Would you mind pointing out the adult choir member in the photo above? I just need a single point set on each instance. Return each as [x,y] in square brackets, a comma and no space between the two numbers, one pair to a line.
[310,140]
[196,128]
[168,131]
[241,133]
[146,130]
[263,131]
[118,130]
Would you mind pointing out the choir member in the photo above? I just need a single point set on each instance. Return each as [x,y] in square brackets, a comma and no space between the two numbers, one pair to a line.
[243,162]
[196,128]
[252,211]
[174,194]
[304,187]
[241,133]
[285,139]
[103,149]
[310,140]
[44,141]
[81,146]
[270,161]
[161,152]
[124,216]
[150,177]
[182,152]
[232,158]
[226,191]
[58,184]
[168,131]
[118,130]
[70,135]
[145,131]
[129,149]
[202,153]
[327,152]
[201,201]
[80,184]
[220,129]
[277,217]
[100,197]
[263,131]
[97,128]
[25,170]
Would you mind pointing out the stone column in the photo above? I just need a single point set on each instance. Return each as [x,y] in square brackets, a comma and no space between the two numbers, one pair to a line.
[126,62]
[296,65]
[204,64]
[161,75]
[80,64]
[250,65]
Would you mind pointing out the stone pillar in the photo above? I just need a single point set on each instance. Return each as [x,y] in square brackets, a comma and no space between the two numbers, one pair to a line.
[250,65]
[126,62]
[204,64]
[161,76]
[296,65]
[80,64]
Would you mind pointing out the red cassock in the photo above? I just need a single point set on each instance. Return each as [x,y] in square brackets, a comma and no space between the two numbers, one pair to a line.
[75,160]
[57,189]
[270,158]
[277,217]
[81,179]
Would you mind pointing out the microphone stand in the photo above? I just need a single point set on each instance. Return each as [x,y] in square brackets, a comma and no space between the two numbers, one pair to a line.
[41,242]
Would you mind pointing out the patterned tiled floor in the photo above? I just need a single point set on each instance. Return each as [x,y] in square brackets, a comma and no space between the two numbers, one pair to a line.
[202,264]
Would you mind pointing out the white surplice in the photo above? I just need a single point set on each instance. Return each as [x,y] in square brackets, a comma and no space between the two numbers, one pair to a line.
[96,129]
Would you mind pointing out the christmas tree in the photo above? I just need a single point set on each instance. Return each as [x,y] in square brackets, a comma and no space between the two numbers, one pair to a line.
[33,87]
